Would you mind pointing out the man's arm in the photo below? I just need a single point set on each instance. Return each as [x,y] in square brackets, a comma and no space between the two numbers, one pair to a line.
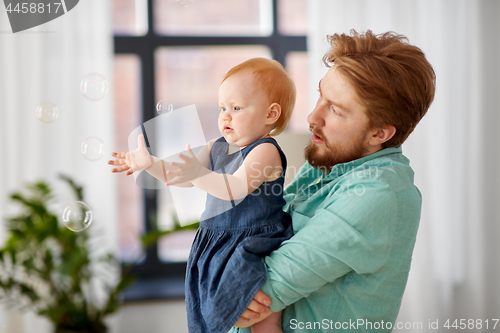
[351,233]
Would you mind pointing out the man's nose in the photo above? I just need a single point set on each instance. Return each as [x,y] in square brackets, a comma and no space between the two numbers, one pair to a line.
[316,117]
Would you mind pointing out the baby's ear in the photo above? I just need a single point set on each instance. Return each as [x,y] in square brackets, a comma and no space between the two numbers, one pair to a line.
[273,113]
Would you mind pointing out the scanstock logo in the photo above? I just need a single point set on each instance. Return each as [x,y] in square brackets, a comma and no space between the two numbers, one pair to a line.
[26,14]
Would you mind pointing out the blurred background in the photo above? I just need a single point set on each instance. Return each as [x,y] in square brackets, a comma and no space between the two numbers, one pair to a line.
[178,52]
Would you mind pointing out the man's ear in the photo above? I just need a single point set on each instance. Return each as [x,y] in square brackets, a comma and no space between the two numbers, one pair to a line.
[273,113]
[382,135]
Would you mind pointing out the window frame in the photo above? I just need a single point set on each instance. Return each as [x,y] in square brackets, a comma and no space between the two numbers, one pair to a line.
[160,280]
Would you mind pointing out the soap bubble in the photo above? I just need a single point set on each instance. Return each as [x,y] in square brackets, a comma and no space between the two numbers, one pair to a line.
[47,112]
[185,3]
[164,107]
[94,86]
[92,148]
[77,216]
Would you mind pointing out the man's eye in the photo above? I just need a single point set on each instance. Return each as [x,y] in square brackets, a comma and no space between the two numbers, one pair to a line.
[237,108]
[333,109]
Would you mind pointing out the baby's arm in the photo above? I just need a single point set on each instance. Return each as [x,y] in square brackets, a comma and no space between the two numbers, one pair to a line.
[140,159]
[263,163]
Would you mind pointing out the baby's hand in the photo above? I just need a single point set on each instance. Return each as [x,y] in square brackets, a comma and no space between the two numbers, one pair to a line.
[184,172]
[257,310]
[132,161]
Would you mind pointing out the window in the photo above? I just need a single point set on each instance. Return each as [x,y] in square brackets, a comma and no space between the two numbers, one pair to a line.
[179,50]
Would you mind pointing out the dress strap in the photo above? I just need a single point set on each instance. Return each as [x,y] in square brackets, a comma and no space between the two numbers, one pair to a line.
[245,151]
[220,146]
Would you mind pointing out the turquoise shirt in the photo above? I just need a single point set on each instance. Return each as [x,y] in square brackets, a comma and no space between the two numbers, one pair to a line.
[347,265]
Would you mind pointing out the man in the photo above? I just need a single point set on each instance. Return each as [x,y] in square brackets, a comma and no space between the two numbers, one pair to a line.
[354,207]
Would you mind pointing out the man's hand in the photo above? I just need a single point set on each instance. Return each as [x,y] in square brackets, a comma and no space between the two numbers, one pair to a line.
[257,310]
[132,161]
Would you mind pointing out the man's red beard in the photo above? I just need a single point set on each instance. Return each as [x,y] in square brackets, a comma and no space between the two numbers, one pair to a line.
[325,156]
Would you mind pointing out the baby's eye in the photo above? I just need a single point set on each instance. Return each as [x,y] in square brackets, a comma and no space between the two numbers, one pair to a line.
[222,109]
[237,108]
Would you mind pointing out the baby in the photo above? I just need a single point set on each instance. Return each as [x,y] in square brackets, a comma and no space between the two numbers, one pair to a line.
[245,169]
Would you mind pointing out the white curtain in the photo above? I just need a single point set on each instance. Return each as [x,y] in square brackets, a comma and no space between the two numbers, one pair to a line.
[454,151]
[47,63]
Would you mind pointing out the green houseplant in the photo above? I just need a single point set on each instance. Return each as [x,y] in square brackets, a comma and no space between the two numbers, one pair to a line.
[50,270]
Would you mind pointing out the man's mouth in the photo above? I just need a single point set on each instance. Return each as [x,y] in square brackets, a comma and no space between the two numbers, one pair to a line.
[317,138]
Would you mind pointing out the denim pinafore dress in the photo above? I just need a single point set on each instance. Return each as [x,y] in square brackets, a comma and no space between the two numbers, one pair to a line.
[224,269]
